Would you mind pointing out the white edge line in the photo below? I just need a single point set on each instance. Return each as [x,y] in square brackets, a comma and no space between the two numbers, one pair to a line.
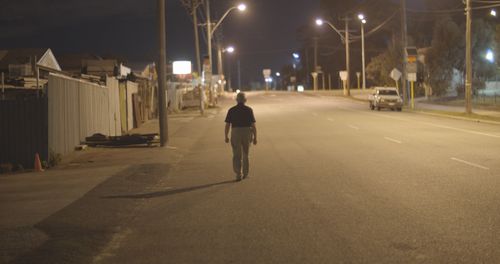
[354,127]
[331,119]
[470,164]
[393,140]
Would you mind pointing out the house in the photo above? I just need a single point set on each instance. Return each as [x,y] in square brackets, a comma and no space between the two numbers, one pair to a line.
[28,68]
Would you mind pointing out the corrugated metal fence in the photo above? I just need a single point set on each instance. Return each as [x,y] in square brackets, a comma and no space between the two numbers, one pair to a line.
[23,131]
[78,109]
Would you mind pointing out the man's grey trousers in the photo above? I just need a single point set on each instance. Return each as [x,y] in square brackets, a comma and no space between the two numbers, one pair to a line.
[240,141]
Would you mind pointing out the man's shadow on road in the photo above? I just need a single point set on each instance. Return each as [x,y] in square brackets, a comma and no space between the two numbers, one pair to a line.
[167,192]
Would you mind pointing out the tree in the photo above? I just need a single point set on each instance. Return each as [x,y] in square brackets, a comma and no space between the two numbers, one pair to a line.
[483,40]
[445,55]
[380,67]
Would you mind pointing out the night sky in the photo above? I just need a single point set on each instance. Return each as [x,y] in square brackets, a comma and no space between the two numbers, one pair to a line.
[265,35]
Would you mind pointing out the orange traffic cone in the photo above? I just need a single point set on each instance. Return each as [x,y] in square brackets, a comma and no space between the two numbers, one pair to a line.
[38,163]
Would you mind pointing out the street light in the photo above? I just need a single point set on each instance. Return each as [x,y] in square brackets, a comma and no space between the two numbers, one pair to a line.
[242,7]
[346,40]
[211,31]
[230,50]
[493,12]
[490,56]
[362,18]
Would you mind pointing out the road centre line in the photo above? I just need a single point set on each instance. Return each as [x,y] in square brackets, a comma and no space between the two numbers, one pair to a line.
[393,140]
[354,127]
[470,163]
[330,119]
[315,114]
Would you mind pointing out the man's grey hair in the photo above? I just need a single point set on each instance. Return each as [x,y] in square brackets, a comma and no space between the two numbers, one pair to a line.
[241,98]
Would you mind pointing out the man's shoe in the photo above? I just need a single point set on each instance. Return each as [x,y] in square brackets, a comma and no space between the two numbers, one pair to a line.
[245,176]
[238,178]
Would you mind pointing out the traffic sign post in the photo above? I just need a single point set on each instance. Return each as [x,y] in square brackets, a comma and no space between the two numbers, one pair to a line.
[315,80]
[396,75]
[343,76]
[267,75]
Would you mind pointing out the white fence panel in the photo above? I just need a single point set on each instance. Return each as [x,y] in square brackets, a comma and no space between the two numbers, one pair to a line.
[78,109]
[114,106]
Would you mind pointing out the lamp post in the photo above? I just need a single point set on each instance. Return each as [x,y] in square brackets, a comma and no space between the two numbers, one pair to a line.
[241,8]
[210,32]
[345,39]
[362,19]
[230,50]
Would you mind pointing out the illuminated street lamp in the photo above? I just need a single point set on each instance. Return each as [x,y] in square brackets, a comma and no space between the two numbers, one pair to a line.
[345,39]
[230,50]
[362,19]
[211,31]
[490,56]
[493,12]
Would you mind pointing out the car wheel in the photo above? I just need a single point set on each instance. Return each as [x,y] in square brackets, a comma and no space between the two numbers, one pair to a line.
[372,107]
[399,109]
[378,108]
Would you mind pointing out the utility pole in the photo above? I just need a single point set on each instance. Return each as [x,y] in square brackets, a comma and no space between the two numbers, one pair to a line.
[404,44]
[239,74]
[347,57]
[194,7]
[209,40]
[220,67]
[363,53]
[3,86]
[315,53]
[468,61]
[162,63]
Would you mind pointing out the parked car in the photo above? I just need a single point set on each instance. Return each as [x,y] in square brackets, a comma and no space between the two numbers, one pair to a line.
[386,97]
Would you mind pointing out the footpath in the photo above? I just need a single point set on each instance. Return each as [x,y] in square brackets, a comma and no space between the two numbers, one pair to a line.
[27,199]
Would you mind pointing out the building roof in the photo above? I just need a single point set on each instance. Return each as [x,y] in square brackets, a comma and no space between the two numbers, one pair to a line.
[44,57]
[75,62]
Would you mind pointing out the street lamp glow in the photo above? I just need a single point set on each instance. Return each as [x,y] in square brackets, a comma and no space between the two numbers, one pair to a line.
[493,12]
[278,74]
[490,56]
[363,21]
[296,56]
[242,7]
[319,22]
[361,17]
[230,49]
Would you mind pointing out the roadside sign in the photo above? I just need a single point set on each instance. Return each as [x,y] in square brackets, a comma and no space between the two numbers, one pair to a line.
[395,74]
[293,79]
[412,77]
[267,73]
[411,68]
[343,75]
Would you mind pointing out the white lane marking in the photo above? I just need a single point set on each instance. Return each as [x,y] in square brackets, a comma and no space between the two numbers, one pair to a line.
[393,140]
[330,119]
[172,147]
[463,130]
[470,164]
[315,114]
[427,123]
[354,127]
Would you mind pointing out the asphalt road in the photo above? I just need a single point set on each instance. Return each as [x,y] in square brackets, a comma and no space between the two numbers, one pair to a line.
[330,182]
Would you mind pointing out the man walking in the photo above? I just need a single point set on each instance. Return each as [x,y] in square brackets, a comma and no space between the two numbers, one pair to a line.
[241,121]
